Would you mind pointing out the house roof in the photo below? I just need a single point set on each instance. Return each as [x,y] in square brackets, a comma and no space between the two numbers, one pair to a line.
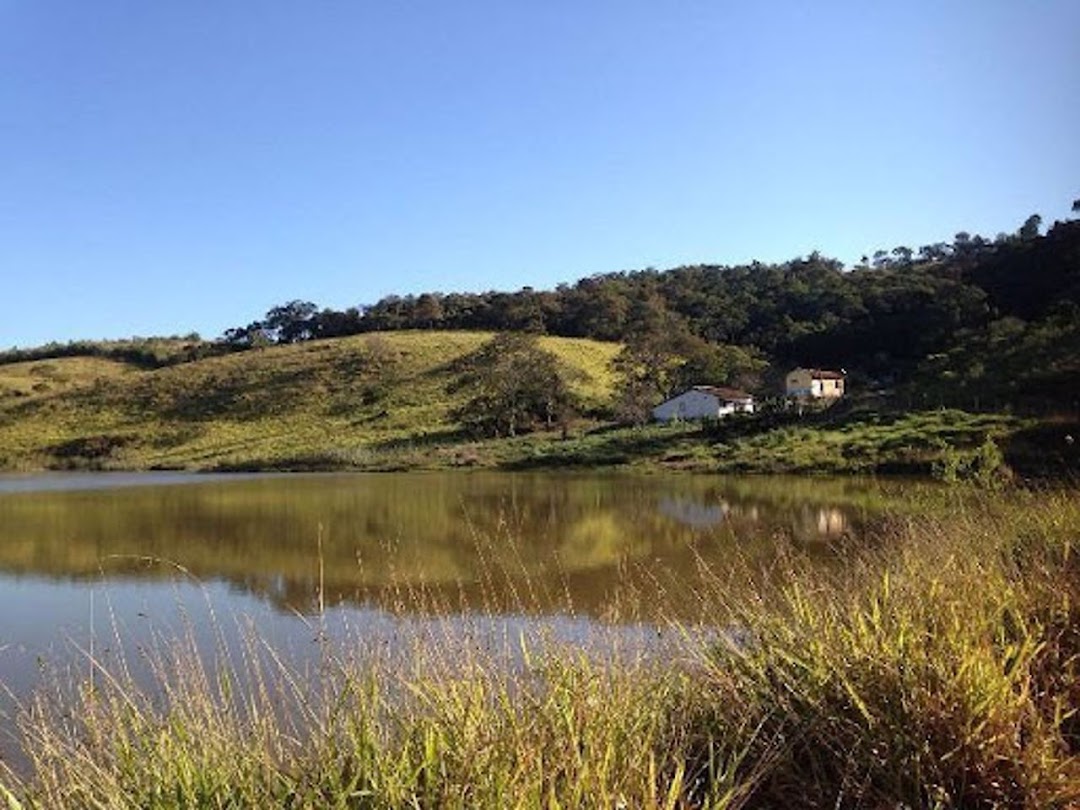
[724,394]
[822,374]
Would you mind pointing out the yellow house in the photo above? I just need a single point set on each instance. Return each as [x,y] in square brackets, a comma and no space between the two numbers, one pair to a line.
[814,383]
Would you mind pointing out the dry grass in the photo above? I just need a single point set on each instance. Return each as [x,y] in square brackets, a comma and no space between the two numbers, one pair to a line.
[38,379]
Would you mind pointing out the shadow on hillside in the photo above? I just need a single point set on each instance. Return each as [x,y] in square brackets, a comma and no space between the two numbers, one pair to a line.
[606,446]
[1049,450]
[432,439]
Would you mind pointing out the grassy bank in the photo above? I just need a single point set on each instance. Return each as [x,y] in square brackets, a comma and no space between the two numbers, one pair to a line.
[949,445]
[939,670]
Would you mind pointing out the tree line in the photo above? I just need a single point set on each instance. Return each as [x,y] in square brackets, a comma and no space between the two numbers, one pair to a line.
[897,317]
[975,322]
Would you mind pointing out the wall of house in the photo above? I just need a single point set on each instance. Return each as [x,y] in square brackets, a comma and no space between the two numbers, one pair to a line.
[698,405]
[690,405]
[802,383]
[831,388]
[737,407]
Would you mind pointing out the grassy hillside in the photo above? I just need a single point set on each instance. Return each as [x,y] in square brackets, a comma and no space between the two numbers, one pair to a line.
[349,401]
[382,401]
[37,379]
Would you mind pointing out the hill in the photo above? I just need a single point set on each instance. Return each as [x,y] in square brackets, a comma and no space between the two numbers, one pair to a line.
[973,324]
[366,400]
[984,327]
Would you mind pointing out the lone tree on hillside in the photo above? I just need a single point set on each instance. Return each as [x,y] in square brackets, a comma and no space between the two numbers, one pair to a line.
[515,386]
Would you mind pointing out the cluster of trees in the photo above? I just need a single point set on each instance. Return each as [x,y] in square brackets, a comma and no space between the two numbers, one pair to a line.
[657,364]
[722,324]
[965,247]
[147,352]
[1007,362]
[514,386]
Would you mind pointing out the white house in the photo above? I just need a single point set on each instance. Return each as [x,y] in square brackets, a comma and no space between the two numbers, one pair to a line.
[704,402]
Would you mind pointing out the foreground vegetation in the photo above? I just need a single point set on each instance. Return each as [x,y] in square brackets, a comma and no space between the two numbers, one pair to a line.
[939,669]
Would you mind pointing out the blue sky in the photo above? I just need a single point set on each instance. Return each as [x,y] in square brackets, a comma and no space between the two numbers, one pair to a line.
[174,166]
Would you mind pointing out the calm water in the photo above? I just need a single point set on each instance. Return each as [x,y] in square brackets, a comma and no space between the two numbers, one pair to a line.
[426,541]
[113,561]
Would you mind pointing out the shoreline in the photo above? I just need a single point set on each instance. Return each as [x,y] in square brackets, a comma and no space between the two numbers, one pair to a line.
[944,445]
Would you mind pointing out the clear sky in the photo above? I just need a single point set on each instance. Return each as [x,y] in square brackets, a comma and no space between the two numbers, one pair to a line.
[181,165]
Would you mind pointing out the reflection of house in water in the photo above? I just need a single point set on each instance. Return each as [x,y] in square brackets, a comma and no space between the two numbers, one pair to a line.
[693,513]
[820,522]
[805,523]
[831,522]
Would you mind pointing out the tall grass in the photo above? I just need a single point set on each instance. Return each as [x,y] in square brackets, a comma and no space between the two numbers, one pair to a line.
[938,670]
[946,677]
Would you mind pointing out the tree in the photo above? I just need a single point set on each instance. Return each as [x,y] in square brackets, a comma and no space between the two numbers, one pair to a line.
[252,336]
[291,322]
[514,386]
[711,364]
[331,323]
[1030,229]
[938,251]
[656,365]
[429,310]
[634,402]
[650,363]
[962,243]
[524,313]
[968,246]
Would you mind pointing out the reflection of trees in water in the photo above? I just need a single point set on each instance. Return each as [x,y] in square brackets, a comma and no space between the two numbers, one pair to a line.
[485,541]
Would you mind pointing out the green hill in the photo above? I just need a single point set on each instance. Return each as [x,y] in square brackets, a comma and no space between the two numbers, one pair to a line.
[357,401]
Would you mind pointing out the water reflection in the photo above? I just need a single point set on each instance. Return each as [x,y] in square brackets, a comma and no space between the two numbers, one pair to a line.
[693,513]
[489,559]
[484,542]
[831,522]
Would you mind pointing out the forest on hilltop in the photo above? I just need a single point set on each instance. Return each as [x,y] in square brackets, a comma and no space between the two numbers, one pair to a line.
[975,322]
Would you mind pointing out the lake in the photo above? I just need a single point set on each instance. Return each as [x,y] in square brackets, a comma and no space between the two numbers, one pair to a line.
[100,565]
